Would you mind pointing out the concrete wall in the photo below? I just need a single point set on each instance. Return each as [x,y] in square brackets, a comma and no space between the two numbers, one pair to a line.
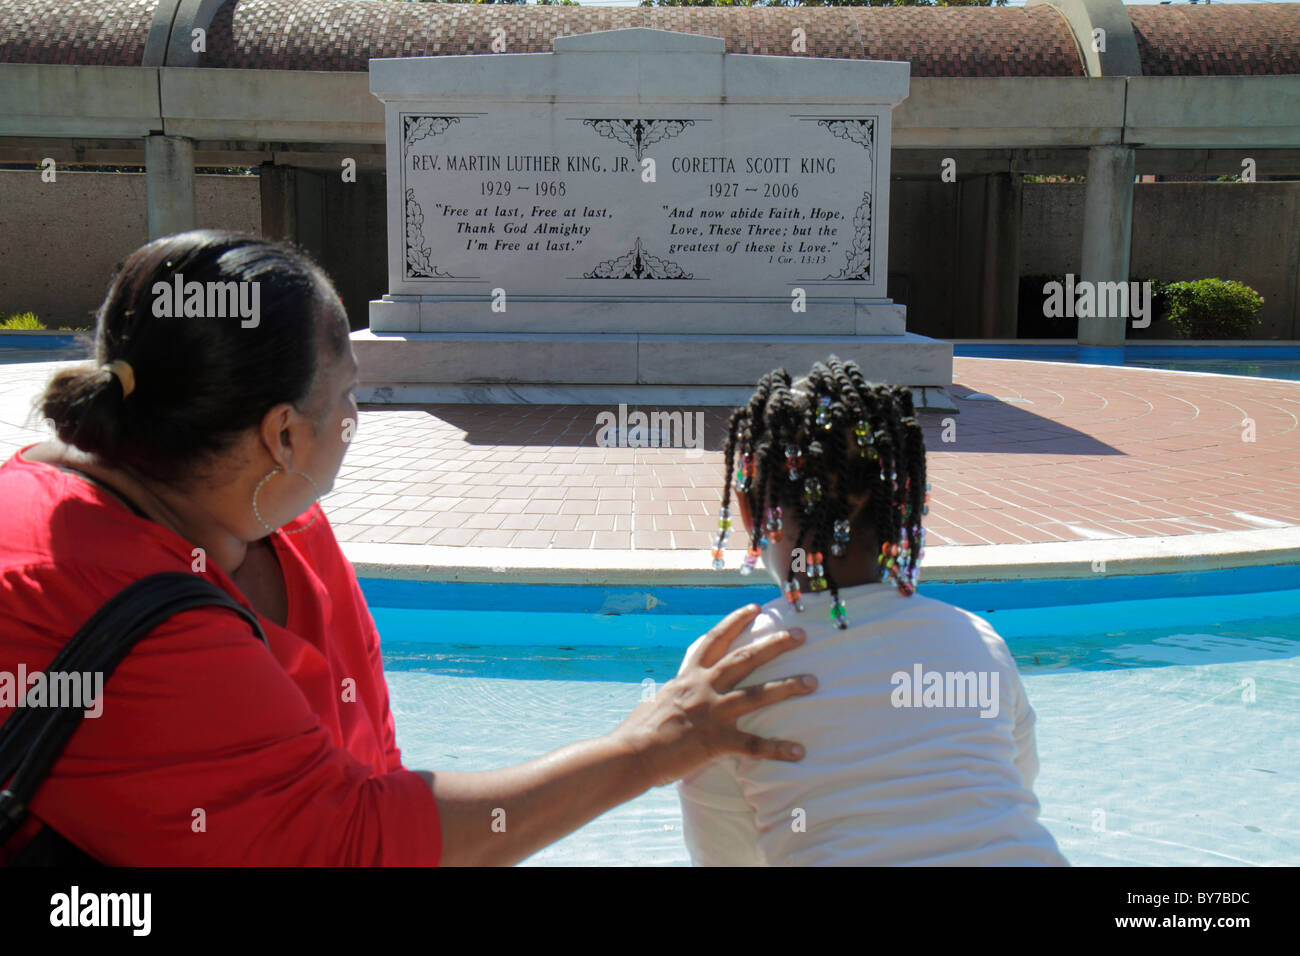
[62,242]
[1247,232]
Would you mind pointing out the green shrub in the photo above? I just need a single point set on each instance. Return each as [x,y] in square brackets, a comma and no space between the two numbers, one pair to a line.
[1213,309]
[20,320]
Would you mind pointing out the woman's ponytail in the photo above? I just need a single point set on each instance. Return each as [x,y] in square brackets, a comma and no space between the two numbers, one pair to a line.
[87,408]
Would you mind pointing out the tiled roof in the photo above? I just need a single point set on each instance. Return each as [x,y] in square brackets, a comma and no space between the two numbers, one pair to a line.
[344,34]
[1228,39]
[946,41]
[87,32]
[1223,40]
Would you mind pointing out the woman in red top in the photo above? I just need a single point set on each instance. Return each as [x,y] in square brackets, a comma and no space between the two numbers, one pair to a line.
[202,443]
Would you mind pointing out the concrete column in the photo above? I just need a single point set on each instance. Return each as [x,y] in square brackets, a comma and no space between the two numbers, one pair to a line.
[279,198]
[310,190]
[293,206]
[1000,273]
[988,279]
[169,184]
[1107,237]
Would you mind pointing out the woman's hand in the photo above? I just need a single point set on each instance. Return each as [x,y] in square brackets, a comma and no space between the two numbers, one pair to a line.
[692,719]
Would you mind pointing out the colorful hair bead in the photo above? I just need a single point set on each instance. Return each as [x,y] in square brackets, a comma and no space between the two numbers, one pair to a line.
[812,491]
[773,523]
[841,537]
[862,435]
[839,615]
[886,562]
[793,595]
[751,558]
[724,529]
[816,573]
[793,462]
[824,412]
[874,440]
[745,473]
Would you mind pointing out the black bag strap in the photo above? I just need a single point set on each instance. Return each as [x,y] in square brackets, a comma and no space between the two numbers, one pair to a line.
[33,739]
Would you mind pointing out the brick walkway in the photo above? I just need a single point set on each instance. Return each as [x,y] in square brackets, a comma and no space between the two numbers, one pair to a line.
[1067,453]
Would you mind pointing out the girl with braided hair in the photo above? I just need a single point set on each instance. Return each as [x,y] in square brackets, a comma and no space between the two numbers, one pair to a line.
[920,741]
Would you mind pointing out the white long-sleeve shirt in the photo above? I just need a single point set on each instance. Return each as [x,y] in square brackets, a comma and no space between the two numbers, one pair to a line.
[895,771]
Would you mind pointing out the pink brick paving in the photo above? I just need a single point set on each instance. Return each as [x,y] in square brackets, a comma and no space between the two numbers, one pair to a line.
[1083,452]
[1086,452]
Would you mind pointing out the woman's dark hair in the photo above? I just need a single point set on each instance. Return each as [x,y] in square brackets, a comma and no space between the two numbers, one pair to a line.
[200,379]
[853,437]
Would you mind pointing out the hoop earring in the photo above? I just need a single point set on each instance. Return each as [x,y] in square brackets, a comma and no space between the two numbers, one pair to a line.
[267,477]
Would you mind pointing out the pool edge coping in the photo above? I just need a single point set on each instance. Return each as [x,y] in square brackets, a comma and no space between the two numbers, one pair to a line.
[956,563]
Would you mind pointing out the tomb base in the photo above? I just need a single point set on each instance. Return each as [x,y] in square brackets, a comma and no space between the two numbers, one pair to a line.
[671,368]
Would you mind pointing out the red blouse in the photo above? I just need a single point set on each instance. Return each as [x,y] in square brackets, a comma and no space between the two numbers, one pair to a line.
[290,755]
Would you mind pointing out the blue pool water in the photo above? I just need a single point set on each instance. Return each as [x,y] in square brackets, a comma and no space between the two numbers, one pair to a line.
[1258,369]
[1255,360]
[1167,729]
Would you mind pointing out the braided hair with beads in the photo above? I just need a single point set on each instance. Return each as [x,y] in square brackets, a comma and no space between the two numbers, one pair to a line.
[812,445]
